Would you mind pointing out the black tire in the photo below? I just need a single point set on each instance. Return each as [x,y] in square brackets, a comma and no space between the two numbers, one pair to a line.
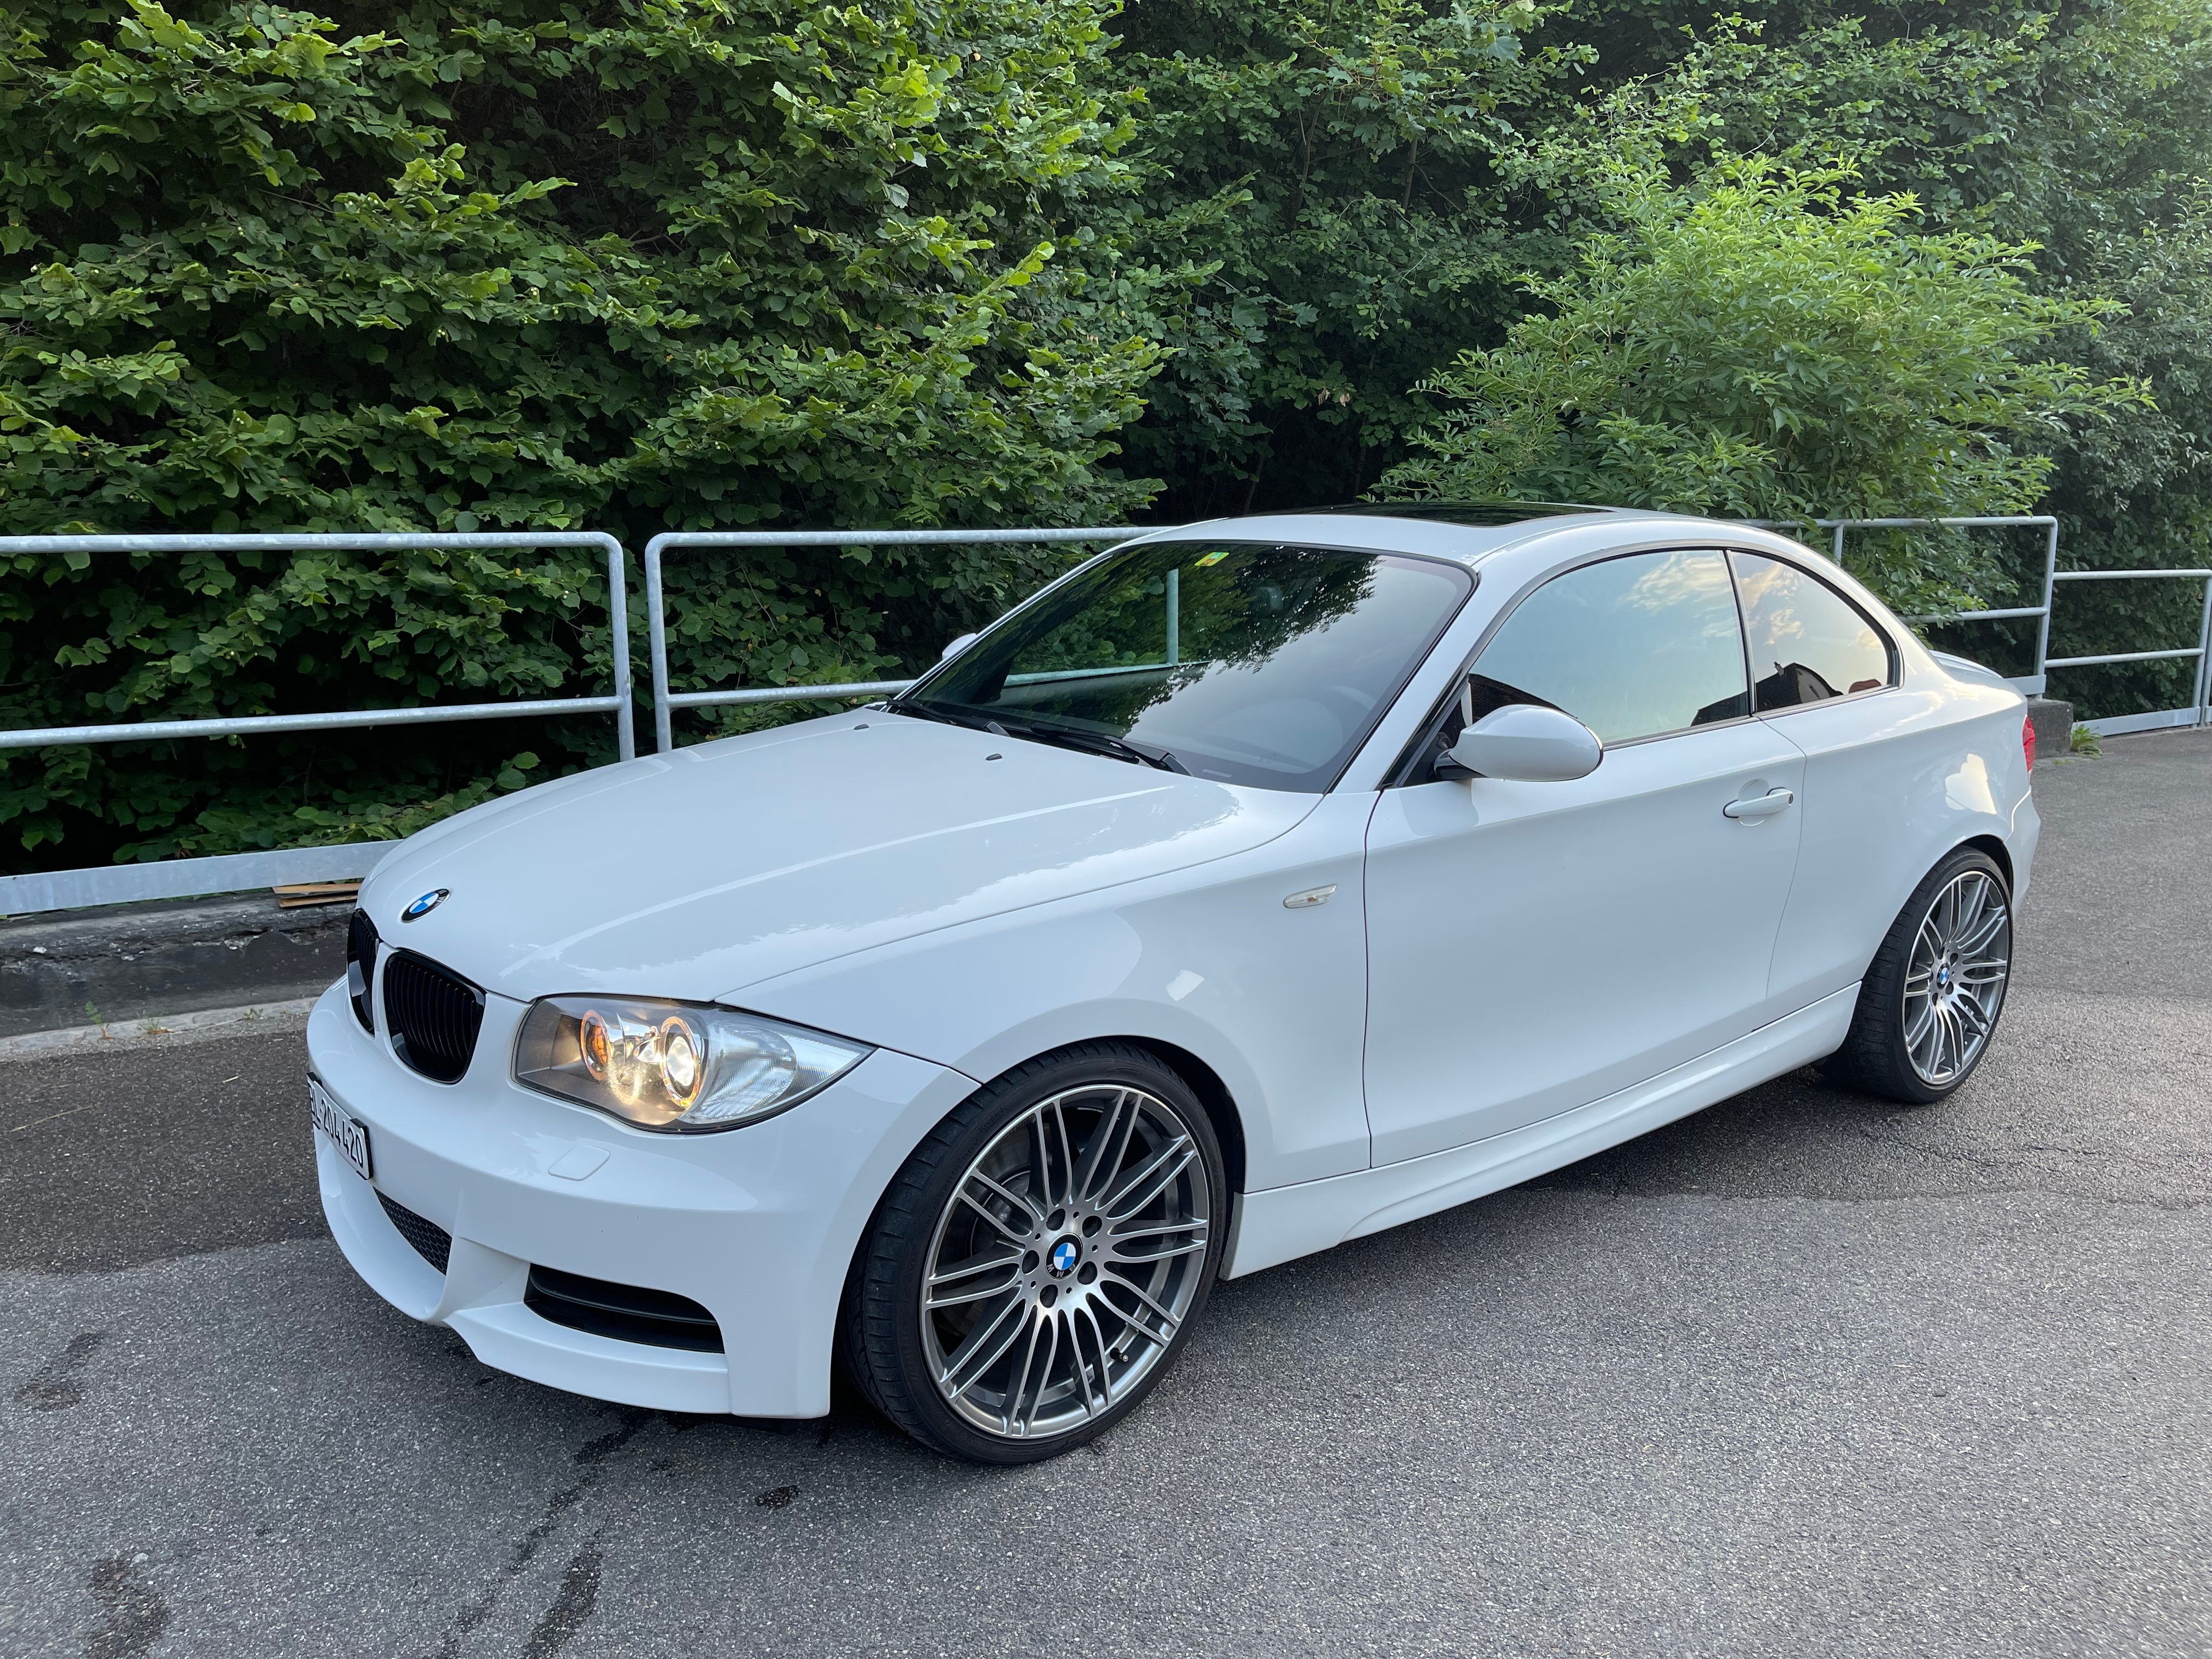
[1877,1058]
[882,1340]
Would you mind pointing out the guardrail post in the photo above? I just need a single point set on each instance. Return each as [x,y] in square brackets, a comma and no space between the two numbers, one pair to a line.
[2204,658]
[656,645]
[618,643]
[2043,626]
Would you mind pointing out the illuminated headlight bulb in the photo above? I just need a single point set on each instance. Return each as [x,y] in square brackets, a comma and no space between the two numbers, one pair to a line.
[683,1061]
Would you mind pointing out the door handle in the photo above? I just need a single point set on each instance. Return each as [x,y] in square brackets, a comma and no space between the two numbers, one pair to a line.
[1751,810]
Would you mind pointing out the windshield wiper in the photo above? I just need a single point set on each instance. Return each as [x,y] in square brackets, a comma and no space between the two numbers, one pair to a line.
[1102,743]
[1067,737]
[929,712]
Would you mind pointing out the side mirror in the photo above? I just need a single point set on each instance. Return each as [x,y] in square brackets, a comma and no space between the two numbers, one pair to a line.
[1528,744]
[958,645]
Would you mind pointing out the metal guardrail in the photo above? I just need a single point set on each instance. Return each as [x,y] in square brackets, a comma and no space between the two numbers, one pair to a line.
[2198,712]
[665,702]
[121,884]
[2199,709]
[184,878]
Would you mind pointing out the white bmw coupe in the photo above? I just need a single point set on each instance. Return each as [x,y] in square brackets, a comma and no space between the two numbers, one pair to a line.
[1257,885]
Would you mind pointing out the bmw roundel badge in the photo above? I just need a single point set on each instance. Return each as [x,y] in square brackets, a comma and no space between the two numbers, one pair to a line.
[1063,1257]
[424,906]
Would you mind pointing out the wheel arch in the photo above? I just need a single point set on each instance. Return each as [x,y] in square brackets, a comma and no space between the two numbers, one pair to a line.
[1992,845]
[1221,1110]
[1213,1094]
[1999,854]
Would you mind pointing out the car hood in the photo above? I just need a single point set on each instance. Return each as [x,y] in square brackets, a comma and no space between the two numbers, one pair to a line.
[695,874]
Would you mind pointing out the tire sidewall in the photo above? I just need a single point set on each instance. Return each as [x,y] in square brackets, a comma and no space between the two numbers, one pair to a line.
[1057,1074]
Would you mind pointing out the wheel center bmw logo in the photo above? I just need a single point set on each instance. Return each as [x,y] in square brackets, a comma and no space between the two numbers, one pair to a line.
[424,906]
[1943,976]
[1062,1259]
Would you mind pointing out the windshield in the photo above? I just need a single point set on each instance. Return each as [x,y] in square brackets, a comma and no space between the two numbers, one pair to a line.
[1257,664]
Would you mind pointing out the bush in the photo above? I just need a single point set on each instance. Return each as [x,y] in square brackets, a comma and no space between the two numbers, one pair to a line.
[1764,346]
[1333,162]
[649,264]
[689,262]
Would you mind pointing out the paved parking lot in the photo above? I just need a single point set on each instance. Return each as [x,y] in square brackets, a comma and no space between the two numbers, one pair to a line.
[1805,1374]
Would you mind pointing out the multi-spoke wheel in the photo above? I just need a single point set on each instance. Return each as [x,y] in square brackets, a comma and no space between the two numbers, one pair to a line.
[1929,1002]
[1034,1265]
[1955,982]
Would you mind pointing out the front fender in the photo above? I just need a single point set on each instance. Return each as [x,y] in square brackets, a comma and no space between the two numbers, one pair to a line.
[1209,960]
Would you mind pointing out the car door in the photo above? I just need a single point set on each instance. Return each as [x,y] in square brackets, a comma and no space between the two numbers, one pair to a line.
[1823,672]
[1535,946]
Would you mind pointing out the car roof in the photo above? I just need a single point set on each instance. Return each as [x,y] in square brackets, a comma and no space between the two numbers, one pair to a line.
[1477,515]
[1467,532]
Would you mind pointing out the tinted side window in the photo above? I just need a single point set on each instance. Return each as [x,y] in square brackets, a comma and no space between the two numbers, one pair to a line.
[1630,646]
[1808,642]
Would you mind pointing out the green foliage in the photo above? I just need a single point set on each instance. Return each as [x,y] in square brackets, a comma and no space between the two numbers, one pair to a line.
[689,262]
[2084,129]
[1333,161]
[1764,346]
[635,265]
[2138,495]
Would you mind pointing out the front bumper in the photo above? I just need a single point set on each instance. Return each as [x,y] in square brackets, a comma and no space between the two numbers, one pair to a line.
[757,1224]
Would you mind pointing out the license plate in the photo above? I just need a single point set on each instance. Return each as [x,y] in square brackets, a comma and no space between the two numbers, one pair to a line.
[347,1137]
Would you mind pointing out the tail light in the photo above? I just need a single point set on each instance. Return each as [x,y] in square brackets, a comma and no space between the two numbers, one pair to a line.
[2028,745]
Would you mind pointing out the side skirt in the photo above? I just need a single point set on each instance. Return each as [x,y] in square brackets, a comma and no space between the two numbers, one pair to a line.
[1285,1223]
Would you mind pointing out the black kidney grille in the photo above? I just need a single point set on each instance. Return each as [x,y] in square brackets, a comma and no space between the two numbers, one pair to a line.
[431,1242]
[628,1313]
[433,1016]
[360,968]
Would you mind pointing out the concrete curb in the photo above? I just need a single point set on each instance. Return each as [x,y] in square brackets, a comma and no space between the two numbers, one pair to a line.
[160,1031]
[118,965]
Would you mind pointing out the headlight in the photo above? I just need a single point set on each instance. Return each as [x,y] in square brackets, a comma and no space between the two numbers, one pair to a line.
[674,1066]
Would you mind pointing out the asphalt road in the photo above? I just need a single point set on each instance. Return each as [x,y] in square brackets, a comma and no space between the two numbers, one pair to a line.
[1804,1374]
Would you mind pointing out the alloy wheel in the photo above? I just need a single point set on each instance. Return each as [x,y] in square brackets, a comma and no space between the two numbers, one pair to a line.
[1067,1259]
[1955,979]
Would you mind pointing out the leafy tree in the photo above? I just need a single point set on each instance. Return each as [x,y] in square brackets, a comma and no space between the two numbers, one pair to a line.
[1765,346]
[2138,493]
[682,263]
[1332,162]
[2083,128]
[645,263]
